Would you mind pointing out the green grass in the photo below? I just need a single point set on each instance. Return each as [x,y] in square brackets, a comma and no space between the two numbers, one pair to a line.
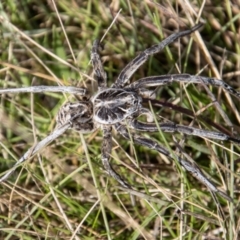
[65,188]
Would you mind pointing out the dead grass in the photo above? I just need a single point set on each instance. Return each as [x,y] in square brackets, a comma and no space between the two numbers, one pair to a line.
[63,193]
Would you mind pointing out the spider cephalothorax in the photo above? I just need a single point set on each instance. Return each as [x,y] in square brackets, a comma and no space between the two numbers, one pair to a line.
[119,107]
[114,105]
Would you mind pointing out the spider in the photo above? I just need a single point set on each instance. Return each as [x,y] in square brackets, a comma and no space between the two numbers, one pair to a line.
[119,107]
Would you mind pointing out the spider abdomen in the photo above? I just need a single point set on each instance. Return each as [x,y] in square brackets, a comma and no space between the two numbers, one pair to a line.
[79,114]
[114,105]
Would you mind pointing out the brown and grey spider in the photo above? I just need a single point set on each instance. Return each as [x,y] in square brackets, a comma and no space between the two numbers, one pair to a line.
[119,107]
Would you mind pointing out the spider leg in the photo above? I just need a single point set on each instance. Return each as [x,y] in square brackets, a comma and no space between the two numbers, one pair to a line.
[106,152]
[39,89]
[131,67]
[36,148]
[100,74]
[172,127]
[156,81]
[191,167]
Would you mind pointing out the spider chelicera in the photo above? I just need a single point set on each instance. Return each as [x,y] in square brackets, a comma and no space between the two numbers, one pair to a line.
[119,107]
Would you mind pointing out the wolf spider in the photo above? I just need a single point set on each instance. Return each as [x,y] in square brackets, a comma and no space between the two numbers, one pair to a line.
[119,107]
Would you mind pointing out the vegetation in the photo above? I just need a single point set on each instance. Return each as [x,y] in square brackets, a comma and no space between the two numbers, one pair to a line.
[63,192]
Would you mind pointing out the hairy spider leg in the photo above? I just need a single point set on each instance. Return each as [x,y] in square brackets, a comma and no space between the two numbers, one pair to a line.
[99,72]
[106,154]
[132,66]
[173,127]
[155,81]
[190,167]
[40,89]
[36,148]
